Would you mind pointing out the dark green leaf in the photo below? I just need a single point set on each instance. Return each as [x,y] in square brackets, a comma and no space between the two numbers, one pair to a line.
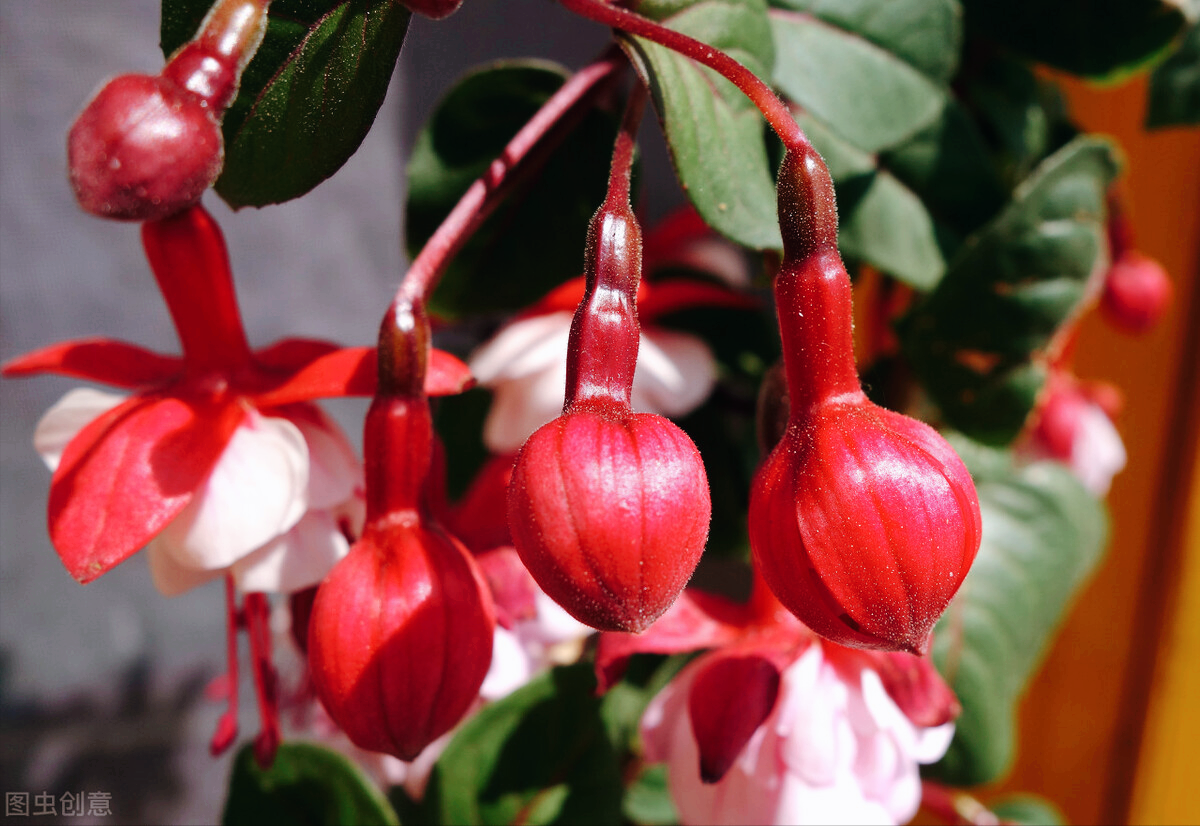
[1175,86]
[924,33]
[1043,535]
[881,221]
[308,97]
[307,784]
[541,755]
[714,133]
[1098,38]
[1027,810]
[974,341]
[535,238]
[863,93]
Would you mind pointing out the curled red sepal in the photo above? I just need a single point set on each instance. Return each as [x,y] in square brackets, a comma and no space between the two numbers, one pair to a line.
[98,359]
[732,695]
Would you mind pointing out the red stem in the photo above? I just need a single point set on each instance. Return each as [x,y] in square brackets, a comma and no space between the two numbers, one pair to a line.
[210,66]
[602,354]
[557,115]
[773,109]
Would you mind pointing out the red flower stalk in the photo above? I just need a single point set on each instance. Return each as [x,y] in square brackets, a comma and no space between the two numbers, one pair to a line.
[609,509]
[863,522]
[146,146]
[400,636]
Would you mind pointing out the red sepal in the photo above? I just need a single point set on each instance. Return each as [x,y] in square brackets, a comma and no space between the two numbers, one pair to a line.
[98,359]
[731,696]
[128,473]
[292,354]
[674,294]
[351,372]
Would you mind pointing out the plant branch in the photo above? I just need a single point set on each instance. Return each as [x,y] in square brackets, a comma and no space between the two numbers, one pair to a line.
[623,149]
[761,95]
[529,147]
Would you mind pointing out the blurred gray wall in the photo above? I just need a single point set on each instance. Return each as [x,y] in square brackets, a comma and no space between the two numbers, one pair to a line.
[101,685]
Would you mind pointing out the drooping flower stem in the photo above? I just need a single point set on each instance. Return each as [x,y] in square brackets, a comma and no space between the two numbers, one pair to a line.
[605,333]
[773,109]
[523,154]
[210,65]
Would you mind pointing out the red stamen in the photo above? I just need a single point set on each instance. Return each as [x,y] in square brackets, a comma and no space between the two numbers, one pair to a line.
[266,682]
[227,726]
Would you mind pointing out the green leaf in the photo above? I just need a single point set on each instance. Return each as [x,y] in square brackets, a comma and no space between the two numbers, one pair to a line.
[1027,810]
[881,221]
[1043,535]
[714,133]
[975,341]
[648,799]
[927,34]
[307,784]
[535,239]
[863,93]
[309,96]
[1175,86]
[541,755]
[1099,38]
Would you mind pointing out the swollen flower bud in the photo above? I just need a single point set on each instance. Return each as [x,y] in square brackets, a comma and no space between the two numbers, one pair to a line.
[147,147]
[437,9]
[609,509]
[400,637]
[863,522]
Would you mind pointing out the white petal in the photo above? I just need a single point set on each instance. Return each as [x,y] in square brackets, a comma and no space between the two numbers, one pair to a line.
[254,494]
[510,668]
[296,560]
[69,415]
[522,348]
[171,578]
[1097,452]
[675,373]
[553,624]
[716,257]
[521,406]
[932,743]
[334,472]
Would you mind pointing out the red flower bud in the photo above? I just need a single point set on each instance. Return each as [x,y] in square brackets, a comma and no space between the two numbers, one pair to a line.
[609,509]
[1137,291]
[863,522]
[142,149]
[400,636]
[437,9]
[610,514]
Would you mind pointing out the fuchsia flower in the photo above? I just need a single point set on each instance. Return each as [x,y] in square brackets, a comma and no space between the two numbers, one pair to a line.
[218,459]
[778,726]
[1074,425]
[525,363]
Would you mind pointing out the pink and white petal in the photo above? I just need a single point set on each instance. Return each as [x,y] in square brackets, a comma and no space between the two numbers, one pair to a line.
[932,743]
[902,797]
[666,717]
[522,348]
[841,803]
[817,741]
[871,709]
[170,578]
[69,415]
[1097,452]
[295,561]
[511,666]
[254,494]
[675,373]
[334,472]
[553,624]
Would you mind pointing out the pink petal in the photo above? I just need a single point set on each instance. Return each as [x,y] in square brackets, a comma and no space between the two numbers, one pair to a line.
[915,687]
[512,586]
[170,578]
[511,667]
[1097,452]
[69,415]
[254,494]
[521,406]
[98,359]
[675,373]
[731,696]
[696,620]
[128,474]
[295,561]
[818,741]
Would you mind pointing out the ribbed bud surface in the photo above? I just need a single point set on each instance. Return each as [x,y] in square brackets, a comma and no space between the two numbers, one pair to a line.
[610,514]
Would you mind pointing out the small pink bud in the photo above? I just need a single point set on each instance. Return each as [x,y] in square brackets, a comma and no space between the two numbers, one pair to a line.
[610,514]
[1137,292]
[142,149]
[864,522]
